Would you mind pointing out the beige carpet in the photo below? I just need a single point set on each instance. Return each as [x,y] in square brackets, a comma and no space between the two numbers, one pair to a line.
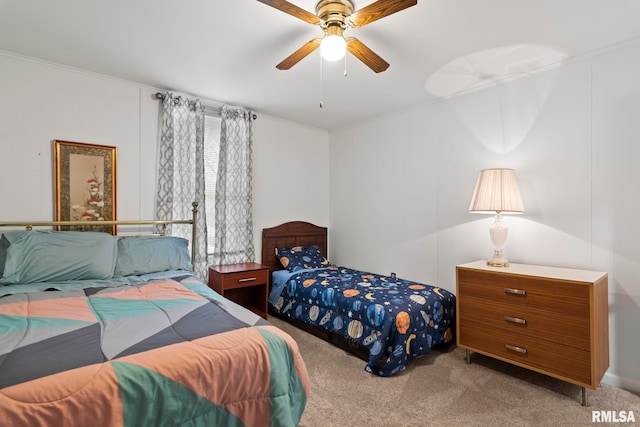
[441,389]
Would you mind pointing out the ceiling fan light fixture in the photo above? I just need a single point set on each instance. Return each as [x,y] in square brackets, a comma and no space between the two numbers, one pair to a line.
[333,47]
[334,17]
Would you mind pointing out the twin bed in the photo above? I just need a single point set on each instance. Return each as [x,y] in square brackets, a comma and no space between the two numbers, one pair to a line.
[386,321]
[117,331]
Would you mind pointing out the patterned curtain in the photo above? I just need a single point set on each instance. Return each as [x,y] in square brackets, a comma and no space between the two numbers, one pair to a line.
[234,222]
[181,172]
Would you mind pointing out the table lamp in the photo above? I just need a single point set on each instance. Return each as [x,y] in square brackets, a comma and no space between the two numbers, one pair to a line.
[497,192]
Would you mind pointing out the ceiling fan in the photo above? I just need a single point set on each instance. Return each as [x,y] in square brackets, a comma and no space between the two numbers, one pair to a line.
[334,17]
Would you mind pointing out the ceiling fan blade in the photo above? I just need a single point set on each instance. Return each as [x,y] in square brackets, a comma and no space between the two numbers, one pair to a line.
[299,54]
[292,10]
[377,10]
[366,55]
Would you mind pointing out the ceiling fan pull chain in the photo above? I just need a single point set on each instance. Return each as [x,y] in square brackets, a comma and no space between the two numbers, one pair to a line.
[345,65]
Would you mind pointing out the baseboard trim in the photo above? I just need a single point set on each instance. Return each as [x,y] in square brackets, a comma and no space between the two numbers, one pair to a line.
[621,382]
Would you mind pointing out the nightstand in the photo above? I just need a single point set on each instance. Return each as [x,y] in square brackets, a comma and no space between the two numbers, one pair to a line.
[246,284]
[547,319]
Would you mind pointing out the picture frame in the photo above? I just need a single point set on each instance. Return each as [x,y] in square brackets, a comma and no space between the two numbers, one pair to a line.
[85,184]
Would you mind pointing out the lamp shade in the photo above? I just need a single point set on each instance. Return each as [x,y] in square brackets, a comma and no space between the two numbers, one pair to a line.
[496,191]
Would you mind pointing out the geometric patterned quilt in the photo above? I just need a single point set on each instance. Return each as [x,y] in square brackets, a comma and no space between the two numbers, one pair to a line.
[166,352]
[395,319]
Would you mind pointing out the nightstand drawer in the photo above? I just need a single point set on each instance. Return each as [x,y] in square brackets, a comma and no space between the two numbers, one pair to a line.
[558,296]
[527,321]
[564,361]
[245,278]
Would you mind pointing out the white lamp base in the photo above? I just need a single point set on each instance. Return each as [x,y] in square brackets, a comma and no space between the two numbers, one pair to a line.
[498,232]
[497,260]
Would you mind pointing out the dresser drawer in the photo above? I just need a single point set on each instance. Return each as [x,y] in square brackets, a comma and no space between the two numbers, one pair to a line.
[558,296]
[532,322]
[245,278]
[549,357]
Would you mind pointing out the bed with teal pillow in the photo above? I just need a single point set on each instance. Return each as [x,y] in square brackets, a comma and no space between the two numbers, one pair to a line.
[73,334]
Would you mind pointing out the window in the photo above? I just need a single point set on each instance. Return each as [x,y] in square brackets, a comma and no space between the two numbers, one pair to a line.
[211,155]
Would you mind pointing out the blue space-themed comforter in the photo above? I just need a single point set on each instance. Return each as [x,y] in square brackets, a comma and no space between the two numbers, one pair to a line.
[396,319]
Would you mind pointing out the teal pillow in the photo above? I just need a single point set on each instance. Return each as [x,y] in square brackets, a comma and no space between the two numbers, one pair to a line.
[147,254]
[52,256]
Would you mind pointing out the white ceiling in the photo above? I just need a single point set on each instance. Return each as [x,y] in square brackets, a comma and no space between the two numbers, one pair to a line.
[226,50]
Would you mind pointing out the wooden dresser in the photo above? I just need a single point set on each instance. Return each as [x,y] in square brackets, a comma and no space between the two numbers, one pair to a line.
[551,320]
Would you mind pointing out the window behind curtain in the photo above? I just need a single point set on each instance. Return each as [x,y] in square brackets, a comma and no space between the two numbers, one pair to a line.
[211,155]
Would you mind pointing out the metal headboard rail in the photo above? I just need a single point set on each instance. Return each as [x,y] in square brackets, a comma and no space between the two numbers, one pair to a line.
[30,224]
[164,223]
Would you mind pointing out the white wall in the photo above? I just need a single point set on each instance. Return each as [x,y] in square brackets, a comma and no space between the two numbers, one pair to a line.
[401,184]
[41,102]
[384,191]
[290,175]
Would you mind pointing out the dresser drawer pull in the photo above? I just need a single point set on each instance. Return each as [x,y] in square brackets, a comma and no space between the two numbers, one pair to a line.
[248,279]
[516,349]
[515,320]
[514,291]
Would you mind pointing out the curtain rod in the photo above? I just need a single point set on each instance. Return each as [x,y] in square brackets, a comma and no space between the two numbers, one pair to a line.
[160,96]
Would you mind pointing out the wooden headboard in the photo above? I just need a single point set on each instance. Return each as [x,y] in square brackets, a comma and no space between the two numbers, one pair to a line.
[288,235]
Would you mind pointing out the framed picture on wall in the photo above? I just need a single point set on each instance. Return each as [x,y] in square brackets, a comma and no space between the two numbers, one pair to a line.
[85,184]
